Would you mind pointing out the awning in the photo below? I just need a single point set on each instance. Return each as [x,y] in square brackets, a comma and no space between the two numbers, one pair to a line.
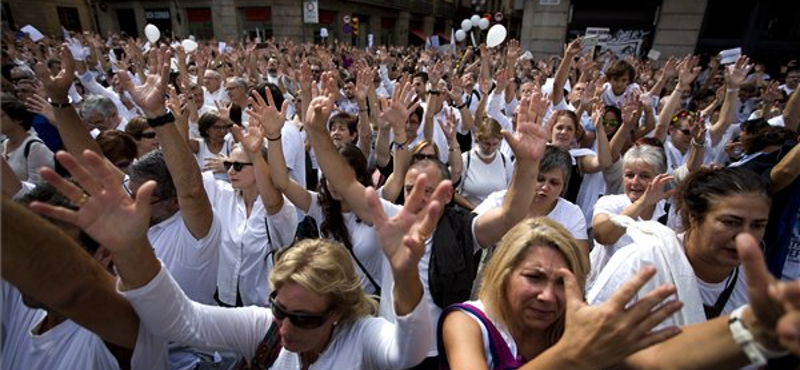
[419,33]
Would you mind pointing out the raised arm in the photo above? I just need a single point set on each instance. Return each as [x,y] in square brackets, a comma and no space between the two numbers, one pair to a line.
[363,87]
[786,171]
[272,120]
[570,52]
[592,164]
[687,72]
[735,76]
[791,114]
[396,115]
[253,144]
[192,198]
[528,143]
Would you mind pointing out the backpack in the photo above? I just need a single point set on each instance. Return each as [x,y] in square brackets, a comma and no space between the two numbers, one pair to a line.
[453,265]
[502,359]
[463,179]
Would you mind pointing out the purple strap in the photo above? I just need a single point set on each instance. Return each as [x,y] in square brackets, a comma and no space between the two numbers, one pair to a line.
[502,359]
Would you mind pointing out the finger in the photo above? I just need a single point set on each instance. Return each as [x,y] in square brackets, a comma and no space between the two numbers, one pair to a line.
[624,294]
[72,191]
[258,100]
[643,307]
[789,332]
[79,172]
[415,199]
[57,213]
[653,318]
[655,337]
[142,199]
[572,291]
[237,133]
[756,272]
[68,63]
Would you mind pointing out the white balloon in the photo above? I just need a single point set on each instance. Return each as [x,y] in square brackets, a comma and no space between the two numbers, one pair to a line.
[466,25]
[483,23]
[189,45]
[460,35]
[152,33]
[475,19]
[496,35]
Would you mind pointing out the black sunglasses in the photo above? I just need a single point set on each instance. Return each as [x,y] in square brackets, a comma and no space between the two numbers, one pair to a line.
[148,135]
[420,156]
[300,320]
[237,166]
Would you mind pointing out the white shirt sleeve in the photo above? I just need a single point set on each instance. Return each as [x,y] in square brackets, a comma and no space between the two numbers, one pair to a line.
[400,345]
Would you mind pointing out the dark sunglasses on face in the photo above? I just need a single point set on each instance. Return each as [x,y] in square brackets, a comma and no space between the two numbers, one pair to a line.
[237,166]
[222,128]
[300,320]
[611,122]
[148,135]
[684,131]
[420,156]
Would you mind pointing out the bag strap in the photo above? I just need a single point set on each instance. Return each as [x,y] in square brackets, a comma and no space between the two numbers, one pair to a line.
[28,145]
[502,359]
[715,310]
[366,272]
[267,351]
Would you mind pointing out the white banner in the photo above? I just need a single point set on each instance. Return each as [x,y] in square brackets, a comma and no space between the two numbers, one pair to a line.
[311,11]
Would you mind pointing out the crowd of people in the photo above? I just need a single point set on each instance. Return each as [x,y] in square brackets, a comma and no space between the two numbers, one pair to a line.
[277,205]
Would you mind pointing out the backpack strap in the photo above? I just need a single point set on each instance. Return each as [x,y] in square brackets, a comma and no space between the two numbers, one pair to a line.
[502,359]
[28,145]
[267,351]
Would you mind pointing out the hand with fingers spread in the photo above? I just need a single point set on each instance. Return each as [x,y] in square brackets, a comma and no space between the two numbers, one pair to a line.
[318,113]
[604,335]
[736,74]
[266,115]
[106,211]
[397,111]
[528,142]
[364,81]
[150,95]
[656,190]
[57,87]
[448,125]
[688,71]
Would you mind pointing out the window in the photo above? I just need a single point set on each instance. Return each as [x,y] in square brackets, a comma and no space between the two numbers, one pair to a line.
[257,21]
[69,18]
[200,23]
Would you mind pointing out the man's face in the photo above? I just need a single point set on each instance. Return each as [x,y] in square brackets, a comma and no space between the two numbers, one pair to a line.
[419,86]
[211,81]
[792,79]
[434,178]
[160,209]
[102,123]
[349,89]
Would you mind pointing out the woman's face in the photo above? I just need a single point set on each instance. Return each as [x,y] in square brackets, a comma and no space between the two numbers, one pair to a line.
[549,186]
[218,130]
[563,132]
[636,177]
[489,145]
[411,127]
[535,291]
[727,217]
[611,123]
[293,298]
[245,177]
[148,141]
[340,134]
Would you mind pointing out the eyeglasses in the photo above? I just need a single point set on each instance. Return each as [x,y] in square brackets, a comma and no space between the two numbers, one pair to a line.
[685,131]
[237,166]
[300,320]
[421,156]
[222,128]
[611,122]
[148,135]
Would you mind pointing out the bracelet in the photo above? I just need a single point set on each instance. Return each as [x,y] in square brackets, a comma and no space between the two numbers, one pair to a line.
[757,353]
[161,120]
[60,105]
[275,139]
[400,146]
[733,90]
[452,149]
[698,145]
[462,105]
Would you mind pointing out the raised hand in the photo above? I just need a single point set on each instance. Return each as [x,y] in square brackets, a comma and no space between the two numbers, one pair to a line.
[688,70]
[396,113]
[150,95]
[57,87]
[448,125]
[656,190]
[512,53]
[671,68]
[528,142]
[736,74]
[266,115]
[106,211]
[253,141]
[224,110]
[604,335]
[39,105]
[502,80]
[318,113]
[572,49]
[403,236]
[364,81]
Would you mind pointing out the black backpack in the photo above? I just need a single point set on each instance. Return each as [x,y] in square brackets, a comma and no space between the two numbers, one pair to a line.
[453,265]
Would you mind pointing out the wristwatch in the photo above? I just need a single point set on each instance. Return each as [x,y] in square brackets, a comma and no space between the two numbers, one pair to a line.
[60,105]
[161,120]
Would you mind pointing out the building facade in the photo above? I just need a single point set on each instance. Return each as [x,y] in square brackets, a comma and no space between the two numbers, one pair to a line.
[765,29]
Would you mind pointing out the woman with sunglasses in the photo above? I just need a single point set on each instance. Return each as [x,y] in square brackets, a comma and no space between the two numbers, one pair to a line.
[145,136]
[320,317]
[256,222]
[215,142]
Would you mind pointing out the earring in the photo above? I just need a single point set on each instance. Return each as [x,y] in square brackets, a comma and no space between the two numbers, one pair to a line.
[335,323]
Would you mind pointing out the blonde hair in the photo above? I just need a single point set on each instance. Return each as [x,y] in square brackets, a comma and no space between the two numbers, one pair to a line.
[487,128]
[540,232]
[325,268]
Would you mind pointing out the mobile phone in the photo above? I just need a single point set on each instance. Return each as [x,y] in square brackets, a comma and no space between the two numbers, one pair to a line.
[590,41]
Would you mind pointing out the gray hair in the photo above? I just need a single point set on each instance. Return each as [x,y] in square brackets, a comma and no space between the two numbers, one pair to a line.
[152,166]
[240,82]
[646,154]
[97,105]
[556,158]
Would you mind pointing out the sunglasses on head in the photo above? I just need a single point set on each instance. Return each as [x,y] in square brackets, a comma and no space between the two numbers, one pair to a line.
[300,320]
[148,135]
[237,166]
[683,113]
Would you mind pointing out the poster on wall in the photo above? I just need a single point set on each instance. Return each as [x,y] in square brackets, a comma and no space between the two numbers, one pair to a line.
[622,43]
[310,12]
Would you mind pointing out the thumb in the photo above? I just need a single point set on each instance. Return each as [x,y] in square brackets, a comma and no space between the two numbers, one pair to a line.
[142,200]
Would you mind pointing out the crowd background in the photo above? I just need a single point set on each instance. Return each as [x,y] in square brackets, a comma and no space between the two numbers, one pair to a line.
[479,156]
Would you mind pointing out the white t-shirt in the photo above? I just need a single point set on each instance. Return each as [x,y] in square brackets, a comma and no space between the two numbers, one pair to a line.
[294,152]
[481,179]
[193,262]
[365,343]
[219,96]
[439,137]
[565,213]
[613,205]
[203,154]
[27,169]
[66,346]
[609,98]
[245,253]
[364,240]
